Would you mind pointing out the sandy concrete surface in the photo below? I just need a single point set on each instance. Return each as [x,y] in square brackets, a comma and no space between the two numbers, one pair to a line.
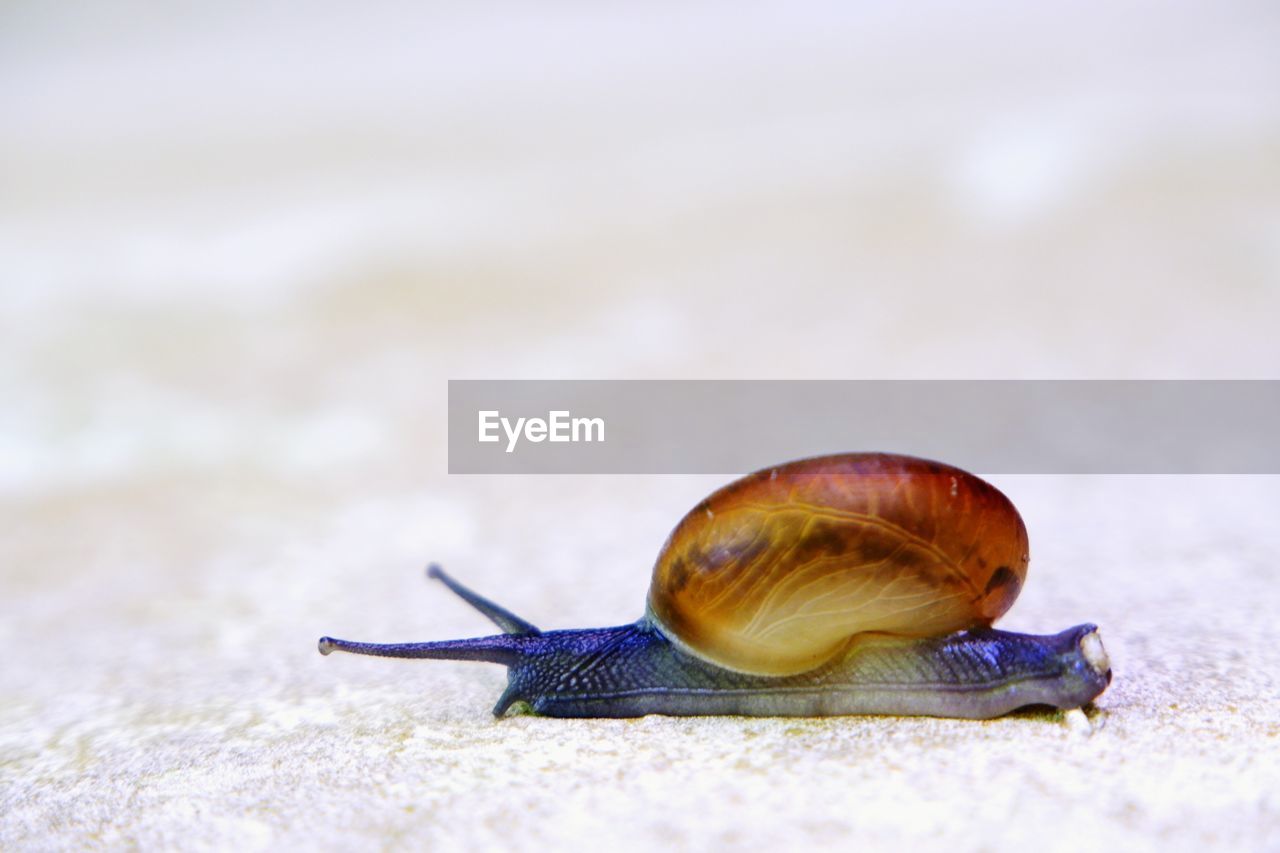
[243,253]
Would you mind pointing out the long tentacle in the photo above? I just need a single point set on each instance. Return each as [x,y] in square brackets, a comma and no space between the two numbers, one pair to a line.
[502,648]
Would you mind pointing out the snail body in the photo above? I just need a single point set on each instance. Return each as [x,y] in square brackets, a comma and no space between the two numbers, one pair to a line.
[849,584]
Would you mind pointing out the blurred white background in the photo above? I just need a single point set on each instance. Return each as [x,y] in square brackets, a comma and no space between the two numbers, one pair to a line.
[242,250]
[233,213]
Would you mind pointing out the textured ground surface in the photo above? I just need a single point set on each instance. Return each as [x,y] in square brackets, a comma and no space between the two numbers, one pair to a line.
[233,292]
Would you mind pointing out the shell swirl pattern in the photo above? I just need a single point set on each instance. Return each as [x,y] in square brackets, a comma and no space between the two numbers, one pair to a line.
[776,572]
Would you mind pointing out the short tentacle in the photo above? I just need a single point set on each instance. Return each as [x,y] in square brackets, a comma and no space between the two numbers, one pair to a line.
[500,616]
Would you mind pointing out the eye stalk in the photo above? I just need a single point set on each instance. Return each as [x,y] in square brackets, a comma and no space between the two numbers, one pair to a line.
[503,649]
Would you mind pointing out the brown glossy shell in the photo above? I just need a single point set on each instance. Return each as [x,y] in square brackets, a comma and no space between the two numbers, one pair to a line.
[775,572]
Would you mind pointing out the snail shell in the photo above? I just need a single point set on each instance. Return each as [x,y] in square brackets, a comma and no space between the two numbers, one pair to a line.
[775,573]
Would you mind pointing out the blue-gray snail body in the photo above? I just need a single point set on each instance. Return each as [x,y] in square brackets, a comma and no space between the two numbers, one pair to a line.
[860,583]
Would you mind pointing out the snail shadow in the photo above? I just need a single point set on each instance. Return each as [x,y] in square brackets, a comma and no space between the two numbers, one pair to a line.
[1044,713]
[1061,716]
[1038,713]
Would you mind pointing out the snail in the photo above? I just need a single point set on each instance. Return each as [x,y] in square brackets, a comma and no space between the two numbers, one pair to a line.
[861,583]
